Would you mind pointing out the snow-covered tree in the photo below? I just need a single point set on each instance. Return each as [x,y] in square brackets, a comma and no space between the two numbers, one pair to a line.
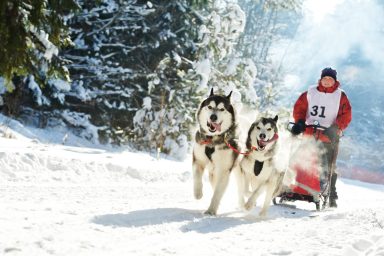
[129,53]
[219,65]
[168,111]
[173,53]
[31,34]
[140,68]
[164,121]
[267,22]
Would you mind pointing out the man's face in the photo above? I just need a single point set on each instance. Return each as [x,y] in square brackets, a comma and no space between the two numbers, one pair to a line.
[327,81]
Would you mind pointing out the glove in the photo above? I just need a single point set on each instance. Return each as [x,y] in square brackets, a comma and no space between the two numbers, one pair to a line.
[331,132]
[298,127]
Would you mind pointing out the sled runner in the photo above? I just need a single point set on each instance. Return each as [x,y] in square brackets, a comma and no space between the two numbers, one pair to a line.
[311,181]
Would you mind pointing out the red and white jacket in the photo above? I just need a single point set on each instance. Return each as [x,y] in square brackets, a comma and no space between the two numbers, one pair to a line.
[344,114]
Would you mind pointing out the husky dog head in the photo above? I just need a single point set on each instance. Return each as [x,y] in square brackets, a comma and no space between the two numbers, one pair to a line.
[216,114]
[262,133]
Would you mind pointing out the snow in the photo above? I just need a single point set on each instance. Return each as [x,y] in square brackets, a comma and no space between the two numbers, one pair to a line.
[67,200]
[147,103]
[59,86]
[203,68]
[50,48]
[37,93]
[77,119]
[81,92]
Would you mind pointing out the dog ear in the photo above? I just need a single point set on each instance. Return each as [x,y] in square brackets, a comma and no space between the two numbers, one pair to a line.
[211,93]
[229,95]
[276,118]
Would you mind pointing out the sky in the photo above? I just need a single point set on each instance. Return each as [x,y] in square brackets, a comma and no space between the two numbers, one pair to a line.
[344,34]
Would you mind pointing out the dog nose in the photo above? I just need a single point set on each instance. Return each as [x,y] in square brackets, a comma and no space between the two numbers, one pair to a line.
[213,117]
[262,136]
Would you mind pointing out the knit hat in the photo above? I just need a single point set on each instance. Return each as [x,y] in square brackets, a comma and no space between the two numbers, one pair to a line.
[329,72]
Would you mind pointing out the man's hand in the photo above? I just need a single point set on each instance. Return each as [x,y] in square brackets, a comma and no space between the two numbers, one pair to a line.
[298,127]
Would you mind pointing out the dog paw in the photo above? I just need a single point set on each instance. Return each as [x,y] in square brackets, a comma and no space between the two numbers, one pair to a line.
[210,212]
[248,206]
[263,214]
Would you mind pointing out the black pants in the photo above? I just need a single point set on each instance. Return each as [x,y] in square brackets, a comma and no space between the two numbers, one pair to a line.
[329,156]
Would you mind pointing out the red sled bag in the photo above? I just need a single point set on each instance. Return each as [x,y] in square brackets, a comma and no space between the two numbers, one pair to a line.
[305,165]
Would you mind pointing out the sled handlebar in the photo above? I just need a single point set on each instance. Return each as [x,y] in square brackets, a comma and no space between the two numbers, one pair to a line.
[317,129]
[315,126]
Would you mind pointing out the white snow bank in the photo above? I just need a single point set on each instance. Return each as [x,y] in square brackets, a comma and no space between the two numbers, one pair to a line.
[36,163]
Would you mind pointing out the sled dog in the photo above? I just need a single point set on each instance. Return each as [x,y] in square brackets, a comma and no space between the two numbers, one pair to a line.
[214,146]
[257,168]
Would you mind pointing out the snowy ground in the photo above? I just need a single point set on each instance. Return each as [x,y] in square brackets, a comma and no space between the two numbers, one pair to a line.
[61,200]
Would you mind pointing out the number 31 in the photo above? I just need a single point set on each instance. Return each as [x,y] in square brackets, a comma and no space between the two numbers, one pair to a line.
[316,111]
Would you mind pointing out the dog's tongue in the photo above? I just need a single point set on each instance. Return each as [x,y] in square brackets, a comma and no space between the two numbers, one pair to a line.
[263,143]
[217,126]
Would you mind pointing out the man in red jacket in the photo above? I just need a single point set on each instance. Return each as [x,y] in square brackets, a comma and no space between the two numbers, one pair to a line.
[327,105]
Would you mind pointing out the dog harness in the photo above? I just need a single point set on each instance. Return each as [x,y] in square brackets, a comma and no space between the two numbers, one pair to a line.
[257,167]
[209,150]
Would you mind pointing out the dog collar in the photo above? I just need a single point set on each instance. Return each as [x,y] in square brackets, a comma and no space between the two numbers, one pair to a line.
[207,141]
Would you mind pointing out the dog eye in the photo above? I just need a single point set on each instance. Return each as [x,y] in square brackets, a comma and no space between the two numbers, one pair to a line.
[258,128]
[209,107]
[269,129]
[222,109]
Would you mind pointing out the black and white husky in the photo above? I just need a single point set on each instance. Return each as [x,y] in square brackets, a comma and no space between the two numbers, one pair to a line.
[257,169]
[215,142]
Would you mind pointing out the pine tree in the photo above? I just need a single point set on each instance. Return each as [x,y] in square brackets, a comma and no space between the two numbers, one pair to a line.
[172,96]
[219,64]
[31,32]
[128,54]
[168,111]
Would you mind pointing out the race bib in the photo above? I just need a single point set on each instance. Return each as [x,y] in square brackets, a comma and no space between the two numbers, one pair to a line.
[322,107]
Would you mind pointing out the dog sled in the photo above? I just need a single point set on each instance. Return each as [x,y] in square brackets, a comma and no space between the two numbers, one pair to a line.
[310,178]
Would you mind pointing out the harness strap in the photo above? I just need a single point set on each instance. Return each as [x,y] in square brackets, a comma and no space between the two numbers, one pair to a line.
[237,151]
[253,148]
